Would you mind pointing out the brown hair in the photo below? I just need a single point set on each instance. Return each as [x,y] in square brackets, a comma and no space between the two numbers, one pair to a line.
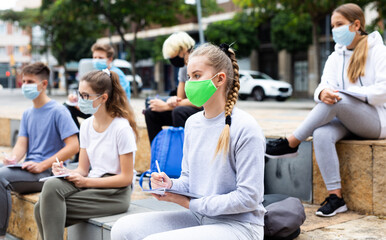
[357,63]
[117,104]
[104,47]
[38,69]
[223,60]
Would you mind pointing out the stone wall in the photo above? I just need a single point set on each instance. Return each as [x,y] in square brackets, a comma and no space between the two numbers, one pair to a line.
[362,165]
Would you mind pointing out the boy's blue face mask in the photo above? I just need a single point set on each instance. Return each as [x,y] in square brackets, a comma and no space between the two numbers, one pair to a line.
[30,91]
[343,35]
[99,64]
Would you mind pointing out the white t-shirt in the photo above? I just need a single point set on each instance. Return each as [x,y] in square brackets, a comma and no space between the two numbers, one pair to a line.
[103,149]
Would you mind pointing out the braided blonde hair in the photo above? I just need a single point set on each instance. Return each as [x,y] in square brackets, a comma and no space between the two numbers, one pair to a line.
[223,59]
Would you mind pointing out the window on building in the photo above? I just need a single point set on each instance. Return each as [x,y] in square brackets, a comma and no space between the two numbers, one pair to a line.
[3,51]
[17,51]
[17,30]
[3,28]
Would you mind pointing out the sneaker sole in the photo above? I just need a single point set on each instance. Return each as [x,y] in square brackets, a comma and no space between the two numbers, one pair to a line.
[288,155]
[339,210]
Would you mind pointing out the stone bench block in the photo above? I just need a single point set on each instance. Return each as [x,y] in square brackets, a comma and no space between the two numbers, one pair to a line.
[142,156]
[22,222]
[362,165]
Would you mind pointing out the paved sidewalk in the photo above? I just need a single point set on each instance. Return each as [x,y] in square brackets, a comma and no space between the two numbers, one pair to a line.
[276,119]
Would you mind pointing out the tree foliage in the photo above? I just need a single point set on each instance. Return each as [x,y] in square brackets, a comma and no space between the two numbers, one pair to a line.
[69,29]
[316,9]
[240,31]
[291,32]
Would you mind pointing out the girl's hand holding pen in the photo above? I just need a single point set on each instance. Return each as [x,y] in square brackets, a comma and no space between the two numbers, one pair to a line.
[160,180]
[58,168]
[8,160]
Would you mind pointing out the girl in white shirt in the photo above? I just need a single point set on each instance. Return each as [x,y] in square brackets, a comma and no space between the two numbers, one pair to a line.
[107,147]
[356,67]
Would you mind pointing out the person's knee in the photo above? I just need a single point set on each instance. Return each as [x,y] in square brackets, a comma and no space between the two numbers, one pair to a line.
[50,187]
[123,229]
[321,136]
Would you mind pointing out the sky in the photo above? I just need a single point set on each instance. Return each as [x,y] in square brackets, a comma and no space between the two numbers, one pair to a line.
[6,4]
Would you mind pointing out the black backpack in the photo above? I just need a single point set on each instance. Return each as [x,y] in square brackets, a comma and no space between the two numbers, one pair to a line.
[283,218]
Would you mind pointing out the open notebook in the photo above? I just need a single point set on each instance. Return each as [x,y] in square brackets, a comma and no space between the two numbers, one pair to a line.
[55,176]
[358,96]
[161,191]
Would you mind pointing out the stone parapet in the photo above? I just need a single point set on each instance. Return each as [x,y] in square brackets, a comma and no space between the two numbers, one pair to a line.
[362,165]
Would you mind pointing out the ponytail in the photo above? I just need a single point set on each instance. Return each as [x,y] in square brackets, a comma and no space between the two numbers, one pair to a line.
[357,63]
[117,104]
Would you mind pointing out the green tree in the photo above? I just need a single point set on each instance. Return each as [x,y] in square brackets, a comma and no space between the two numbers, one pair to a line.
[132,16]
[316,9]
[240,31]
[69,29]
[291,32]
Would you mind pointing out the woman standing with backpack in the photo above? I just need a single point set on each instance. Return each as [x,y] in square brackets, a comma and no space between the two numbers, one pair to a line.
[356,67]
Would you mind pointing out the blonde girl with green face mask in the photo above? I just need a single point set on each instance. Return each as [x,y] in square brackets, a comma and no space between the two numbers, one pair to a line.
[223,161]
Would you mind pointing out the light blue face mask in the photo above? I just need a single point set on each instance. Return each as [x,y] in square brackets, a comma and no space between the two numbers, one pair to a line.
[30,91]
[86,106]
[343,35]
[99,64]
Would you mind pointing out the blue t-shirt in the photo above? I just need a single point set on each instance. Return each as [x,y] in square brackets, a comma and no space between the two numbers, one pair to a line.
[122,79]
[46,128]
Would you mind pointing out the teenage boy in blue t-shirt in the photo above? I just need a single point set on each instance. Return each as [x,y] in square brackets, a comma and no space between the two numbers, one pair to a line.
[46,132]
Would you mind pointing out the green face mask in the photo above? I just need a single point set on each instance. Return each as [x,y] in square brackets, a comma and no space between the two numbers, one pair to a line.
[198,92]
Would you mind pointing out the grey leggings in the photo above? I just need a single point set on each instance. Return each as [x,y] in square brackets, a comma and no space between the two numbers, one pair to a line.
[329,124]
[18,180]
[182,225]
[61,204]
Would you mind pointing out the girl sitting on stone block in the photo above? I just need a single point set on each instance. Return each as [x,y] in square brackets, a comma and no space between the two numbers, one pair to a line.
[223,161]
[351,101]
[107,145]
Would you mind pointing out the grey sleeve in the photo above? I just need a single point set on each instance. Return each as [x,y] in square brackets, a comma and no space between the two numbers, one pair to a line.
[183,74]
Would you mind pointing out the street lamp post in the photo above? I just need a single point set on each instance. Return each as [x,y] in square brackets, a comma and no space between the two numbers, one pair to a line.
[200,31]
[199,16]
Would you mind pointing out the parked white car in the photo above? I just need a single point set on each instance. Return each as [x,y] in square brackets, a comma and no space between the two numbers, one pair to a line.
[85,66]
[259,86]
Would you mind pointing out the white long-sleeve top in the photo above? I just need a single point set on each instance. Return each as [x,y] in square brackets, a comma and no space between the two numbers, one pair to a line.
[233,187]
[372,84]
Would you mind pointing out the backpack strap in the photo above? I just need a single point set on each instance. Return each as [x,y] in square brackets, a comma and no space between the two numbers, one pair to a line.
[141,178]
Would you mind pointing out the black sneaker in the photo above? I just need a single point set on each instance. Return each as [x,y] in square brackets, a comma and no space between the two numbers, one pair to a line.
[332,205]
[280,148]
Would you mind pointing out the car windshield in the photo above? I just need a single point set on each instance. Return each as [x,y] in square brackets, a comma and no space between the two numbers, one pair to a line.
[126,71]
[260,76]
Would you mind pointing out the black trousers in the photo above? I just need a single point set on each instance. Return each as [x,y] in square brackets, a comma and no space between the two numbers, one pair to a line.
[176,118]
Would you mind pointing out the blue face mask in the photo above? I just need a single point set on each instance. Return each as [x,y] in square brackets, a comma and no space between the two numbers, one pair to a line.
[86,106]
[30,91]
[99,64]
[343,35]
